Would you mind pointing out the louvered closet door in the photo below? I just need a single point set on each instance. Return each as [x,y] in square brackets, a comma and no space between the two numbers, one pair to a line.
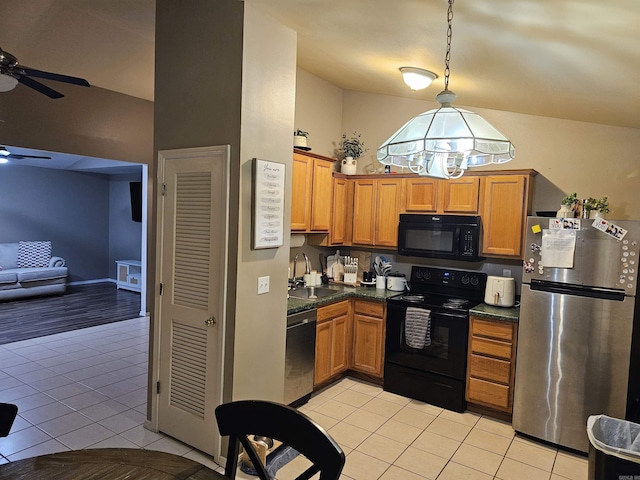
[193,216]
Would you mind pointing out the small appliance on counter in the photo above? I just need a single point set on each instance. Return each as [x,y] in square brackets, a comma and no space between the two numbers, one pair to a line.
[500,291]
[396,282]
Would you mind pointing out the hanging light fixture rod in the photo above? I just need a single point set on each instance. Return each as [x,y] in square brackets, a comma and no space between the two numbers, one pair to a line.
[445,141]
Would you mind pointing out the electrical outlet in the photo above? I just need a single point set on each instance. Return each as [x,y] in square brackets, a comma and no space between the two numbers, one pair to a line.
[263,285]
[506,272]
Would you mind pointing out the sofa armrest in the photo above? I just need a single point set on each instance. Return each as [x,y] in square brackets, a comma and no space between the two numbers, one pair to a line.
[57,262]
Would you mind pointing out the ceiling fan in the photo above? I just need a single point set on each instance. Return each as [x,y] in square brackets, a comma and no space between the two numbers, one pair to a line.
[6,154]
[11,73]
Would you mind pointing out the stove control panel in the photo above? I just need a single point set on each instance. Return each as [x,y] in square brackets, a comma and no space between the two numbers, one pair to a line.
[422,277]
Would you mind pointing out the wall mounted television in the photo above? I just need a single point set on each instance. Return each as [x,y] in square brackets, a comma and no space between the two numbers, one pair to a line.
[135,188]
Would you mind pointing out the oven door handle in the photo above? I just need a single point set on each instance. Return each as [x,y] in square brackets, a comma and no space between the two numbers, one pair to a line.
[444,314]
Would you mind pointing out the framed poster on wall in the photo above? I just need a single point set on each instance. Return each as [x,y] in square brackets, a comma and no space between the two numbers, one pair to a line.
[267,222]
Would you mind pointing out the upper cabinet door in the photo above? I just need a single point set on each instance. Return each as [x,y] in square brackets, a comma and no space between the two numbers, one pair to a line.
[341,212]
[321,195]
[301,192]
[430,195]
[364,204]
[461,195]
[388,205]
[421,195]
[504,211]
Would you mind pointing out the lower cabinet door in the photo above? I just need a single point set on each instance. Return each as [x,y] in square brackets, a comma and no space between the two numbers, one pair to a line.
[492,369]
[367,344]
[339,352]
[323,352]
[488,393]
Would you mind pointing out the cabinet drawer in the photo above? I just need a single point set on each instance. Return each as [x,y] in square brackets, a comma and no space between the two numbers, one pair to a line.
[492,329]
[488,393]
[372,309]
[333,310]
[488,346]
[490,369]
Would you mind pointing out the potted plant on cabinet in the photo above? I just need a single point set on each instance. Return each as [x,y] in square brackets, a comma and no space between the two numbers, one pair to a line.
[597,207]
[351,148]
[300,139]
[567,206]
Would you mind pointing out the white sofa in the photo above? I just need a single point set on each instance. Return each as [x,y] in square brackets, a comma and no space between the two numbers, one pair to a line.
[28,269]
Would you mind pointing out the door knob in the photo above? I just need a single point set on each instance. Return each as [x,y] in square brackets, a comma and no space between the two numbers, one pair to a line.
[210,322]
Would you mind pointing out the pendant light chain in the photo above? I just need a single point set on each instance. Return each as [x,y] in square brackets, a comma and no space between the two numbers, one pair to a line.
[447,57]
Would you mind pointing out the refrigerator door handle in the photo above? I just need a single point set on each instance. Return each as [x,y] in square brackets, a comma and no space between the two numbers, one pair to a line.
[577,290]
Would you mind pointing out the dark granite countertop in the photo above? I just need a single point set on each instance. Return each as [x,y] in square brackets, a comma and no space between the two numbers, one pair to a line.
[296,305]
[496,313]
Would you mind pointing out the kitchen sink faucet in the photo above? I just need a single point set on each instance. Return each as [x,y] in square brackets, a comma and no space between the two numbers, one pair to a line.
[294,282]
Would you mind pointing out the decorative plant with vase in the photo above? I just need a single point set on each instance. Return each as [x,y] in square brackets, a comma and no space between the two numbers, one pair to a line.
[596,207]
[351,148]
[300,139]
[568,206]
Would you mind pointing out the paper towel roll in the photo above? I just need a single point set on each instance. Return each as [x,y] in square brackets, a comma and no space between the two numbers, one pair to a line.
[297,240]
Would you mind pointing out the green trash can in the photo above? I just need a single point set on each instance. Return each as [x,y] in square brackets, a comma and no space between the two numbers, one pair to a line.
[614,449]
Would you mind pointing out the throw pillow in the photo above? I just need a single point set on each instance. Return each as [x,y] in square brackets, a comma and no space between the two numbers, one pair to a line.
[34,254]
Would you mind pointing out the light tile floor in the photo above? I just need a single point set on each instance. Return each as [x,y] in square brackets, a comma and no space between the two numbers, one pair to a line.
[87,389]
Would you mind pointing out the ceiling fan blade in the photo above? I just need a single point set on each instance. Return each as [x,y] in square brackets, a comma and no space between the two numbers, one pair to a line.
[29,82]
[20,157]
[32,72]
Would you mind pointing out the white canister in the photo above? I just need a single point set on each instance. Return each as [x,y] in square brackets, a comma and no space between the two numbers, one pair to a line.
[381,282]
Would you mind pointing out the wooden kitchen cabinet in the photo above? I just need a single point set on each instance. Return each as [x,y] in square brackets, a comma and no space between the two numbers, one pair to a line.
[341,212]
[491,363]
[364,204]
[432,195]
[505,204]
[368,337]
[388,205]
[376,207]
[333,335]
[460,196]
[312,184]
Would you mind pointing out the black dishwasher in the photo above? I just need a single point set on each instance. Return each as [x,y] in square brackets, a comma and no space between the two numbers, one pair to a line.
[299,357]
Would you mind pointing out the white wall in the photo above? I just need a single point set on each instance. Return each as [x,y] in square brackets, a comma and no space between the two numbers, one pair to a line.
[125,235]
[319,112]
[268,107]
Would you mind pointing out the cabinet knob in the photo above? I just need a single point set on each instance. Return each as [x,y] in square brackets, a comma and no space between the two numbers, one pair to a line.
[210,322]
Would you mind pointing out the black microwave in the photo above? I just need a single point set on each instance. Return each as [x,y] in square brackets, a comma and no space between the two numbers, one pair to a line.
[456,237]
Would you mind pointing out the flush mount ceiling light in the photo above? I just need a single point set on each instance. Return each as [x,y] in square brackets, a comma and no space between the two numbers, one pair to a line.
[417,78]
[445,141]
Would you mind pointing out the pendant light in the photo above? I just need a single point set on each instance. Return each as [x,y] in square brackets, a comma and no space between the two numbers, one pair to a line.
[445,141]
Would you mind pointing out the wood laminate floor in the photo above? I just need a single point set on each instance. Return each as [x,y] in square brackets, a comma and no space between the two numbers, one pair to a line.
[82,306]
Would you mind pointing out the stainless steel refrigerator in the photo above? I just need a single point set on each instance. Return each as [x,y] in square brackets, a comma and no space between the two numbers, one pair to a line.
[578,351]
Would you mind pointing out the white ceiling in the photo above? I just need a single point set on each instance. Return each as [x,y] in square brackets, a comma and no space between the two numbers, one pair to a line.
[572,59]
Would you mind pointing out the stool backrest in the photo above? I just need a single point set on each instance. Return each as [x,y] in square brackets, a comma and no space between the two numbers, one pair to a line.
[8,413]
[245,418]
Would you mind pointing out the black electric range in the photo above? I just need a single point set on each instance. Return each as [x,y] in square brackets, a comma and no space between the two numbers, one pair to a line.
[427,334]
